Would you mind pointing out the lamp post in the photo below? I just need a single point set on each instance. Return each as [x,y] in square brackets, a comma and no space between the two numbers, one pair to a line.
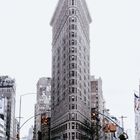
[18,135]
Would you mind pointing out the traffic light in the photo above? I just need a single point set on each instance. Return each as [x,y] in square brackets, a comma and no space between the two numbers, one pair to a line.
[44,120]
[112,127]
[93,115]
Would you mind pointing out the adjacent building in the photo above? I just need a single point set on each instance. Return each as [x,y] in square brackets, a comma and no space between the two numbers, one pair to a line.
[3,116]
[2,130]
[104,126]
[45,126]
[16,127]
[97,108]
[71,110]
[7,106]
[97,100]
[137,115]
[43,104]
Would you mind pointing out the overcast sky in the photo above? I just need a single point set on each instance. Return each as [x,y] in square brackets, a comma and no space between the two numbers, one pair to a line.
[25,50]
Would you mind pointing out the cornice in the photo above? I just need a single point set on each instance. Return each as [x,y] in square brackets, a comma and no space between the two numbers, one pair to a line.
[60,5]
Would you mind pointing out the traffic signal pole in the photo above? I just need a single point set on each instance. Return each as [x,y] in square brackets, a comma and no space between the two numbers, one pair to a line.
[94,116]
[108,118]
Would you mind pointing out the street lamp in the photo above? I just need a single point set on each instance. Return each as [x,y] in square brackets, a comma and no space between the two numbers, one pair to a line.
[18,135]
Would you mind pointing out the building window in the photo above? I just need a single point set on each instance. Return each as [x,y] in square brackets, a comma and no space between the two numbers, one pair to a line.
[72,19]
[73,125]
[73,11]
[72,82]
[72,50]
[84,98]
[72,90]
[73,42]
[72,34]
[72,57]
[72,27]
[72,98]
[73,135]
[72,116]
[72,2]
[72,66]
[72,74]
[73,106]
[69,127]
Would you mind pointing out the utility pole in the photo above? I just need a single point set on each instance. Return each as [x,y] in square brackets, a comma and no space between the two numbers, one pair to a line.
[122,119]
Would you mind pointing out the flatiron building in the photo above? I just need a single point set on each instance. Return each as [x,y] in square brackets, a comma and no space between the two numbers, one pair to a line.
[70,94]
